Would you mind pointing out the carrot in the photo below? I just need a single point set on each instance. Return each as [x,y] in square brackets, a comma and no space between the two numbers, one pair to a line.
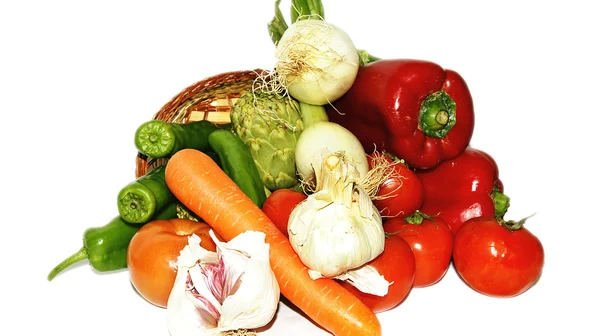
[201,185]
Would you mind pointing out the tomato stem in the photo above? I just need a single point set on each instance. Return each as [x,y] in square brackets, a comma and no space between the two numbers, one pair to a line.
[389,234]
[396,159]
[512,225]
[418,217]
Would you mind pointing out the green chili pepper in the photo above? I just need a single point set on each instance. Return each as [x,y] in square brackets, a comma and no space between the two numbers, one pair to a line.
[159,139]
[238,164]
[138,201]
[106,246]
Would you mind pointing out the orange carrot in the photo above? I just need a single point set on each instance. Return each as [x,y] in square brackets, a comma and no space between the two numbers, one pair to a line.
[205,189]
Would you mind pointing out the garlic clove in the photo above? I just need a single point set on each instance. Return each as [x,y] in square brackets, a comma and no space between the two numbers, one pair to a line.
[192,252]
[254,302]
[333,239]
[182,319]
[231,289]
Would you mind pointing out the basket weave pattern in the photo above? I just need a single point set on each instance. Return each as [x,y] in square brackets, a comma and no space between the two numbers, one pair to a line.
[209,99]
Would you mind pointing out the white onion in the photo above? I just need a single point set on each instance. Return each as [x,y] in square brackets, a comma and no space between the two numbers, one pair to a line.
[317,61]
[327,137]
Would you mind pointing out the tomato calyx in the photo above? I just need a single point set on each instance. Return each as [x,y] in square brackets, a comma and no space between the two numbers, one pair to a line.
[512,225]
[418,217]
[390,234]
[396,159]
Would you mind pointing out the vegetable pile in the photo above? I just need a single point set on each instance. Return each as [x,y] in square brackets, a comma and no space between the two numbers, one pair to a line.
[341,182]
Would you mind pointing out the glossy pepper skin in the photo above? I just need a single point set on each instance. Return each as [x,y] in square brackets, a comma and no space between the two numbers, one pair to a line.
[414,109]
[462,188]
[106,246]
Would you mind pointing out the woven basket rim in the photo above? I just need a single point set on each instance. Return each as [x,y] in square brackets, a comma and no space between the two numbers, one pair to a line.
[226,86]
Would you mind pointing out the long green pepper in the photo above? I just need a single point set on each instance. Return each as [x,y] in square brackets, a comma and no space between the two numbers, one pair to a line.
[106,246]
[159,139]
[238,164]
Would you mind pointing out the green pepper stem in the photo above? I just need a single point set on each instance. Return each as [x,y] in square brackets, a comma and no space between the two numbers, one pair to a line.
[501,202]
[312,114]
[366,58]
[155,138]
[82,254]
[437,115]
[136,203]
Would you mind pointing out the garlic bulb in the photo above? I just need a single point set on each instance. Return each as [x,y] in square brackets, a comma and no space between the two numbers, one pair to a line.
[337,229]
[215,292]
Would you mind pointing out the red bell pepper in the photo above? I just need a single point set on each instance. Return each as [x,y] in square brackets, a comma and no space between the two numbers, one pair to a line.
[413,109]
[465,187]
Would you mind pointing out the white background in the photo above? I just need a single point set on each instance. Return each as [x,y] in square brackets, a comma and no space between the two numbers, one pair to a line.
[78,77]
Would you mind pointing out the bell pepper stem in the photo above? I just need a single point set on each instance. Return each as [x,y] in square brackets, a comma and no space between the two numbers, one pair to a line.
[366,58]
[312,114]
[501,202]
[82,254]
[437,115]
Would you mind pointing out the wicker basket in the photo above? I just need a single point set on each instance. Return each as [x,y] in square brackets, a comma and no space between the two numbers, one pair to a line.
[209,99]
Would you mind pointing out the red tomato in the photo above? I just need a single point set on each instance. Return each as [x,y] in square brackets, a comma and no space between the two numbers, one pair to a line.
[279,206]
[496,261]
[402,193]
[431,243]
[397,265]
[152,255]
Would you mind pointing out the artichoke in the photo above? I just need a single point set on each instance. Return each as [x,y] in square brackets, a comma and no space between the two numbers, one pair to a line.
[270,124]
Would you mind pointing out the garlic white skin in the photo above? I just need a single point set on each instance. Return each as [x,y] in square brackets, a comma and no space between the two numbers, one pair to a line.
[214,292]
[337,229]
[317,61]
